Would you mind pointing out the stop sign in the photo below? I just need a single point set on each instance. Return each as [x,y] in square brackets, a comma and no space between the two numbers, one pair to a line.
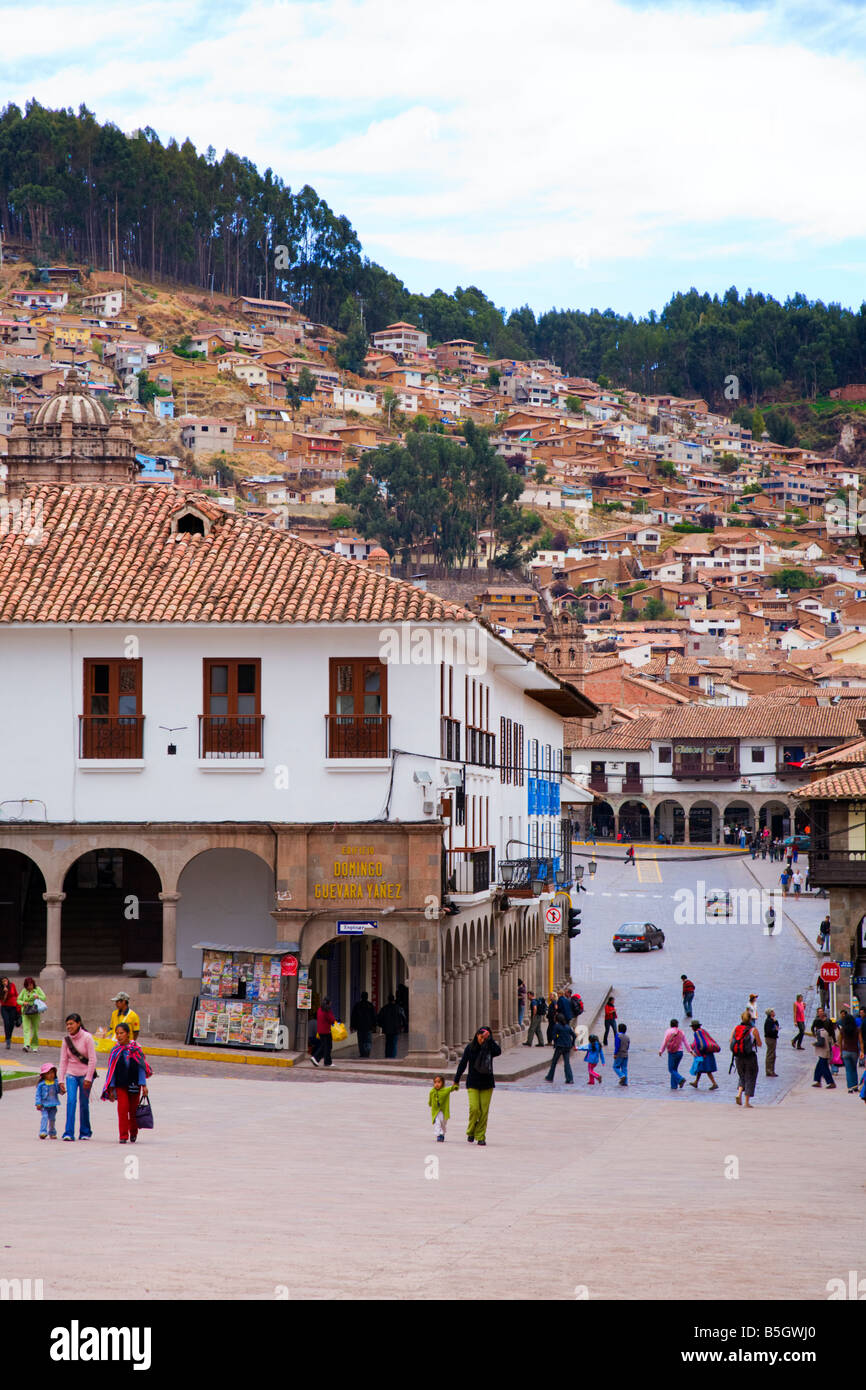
[830,971]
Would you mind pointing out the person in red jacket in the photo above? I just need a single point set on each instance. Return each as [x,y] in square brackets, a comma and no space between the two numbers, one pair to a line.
[9,1008]
[324,1018]
[688,995]
[609,1019]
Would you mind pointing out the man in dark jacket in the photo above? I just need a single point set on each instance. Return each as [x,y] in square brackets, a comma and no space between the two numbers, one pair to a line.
[537,1019]
[389,1020]
[563,1041]
[478,1057]
[564,1007]
[362,1022]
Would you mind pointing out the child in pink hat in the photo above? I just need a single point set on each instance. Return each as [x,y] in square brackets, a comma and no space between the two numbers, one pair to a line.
[47,1100]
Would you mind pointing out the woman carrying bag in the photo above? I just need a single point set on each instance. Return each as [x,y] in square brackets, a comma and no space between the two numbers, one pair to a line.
[126,1083]
[31,1002]
[704,1048]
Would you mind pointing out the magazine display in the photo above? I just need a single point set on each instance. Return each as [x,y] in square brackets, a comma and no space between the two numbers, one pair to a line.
[239,1002]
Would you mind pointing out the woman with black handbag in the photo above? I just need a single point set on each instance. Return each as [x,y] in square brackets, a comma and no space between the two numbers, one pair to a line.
[9,1008]
[126,1082]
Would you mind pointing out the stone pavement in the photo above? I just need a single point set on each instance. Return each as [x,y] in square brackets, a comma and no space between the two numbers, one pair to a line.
[332,1190]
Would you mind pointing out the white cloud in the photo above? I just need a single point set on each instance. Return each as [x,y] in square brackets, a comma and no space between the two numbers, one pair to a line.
[488,136]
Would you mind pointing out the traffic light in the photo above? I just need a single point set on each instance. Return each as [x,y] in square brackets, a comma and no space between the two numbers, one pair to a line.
[574,921]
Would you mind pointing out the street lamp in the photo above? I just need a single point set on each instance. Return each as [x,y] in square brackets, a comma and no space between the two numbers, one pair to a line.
[507,874]
[560,877]
[537,887]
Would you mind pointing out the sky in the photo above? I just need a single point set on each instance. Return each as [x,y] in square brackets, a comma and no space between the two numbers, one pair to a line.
[575,153]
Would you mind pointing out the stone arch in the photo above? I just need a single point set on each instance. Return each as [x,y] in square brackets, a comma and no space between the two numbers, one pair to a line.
[738,812]
[704,822]
[226,896]
[775,812]
[669,820]
[635,820]
[111,916]
[604,820]
[23,916]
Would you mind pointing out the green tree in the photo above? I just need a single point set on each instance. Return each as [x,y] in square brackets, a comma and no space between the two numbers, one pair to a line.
[493,377]
[794,578]
[574,404]
[728,463]
[666,469]
[654,608]
[352,350]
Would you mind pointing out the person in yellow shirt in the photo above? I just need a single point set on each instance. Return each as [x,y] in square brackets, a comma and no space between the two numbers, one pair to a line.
[124,1014]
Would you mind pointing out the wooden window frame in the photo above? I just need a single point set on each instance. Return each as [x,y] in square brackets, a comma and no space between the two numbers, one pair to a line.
[111,735]
[368,740]
[237,739]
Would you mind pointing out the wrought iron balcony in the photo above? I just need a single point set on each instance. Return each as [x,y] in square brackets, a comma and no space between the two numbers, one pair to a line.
[837,866]
[358,735]
[102,737]
[230,736]
[470,870]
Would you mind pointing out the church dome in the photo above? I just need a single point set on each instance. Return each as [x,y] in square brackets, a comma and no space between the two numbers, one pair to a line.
[71,402]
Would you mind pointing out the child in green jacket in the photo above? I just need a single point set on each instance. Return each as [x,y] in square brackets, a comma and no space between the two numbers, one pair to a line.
[439,1102]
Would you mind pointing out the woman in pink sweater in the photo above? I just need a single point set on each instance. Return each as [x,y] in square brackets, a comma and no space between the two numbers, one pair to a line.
[77,1070]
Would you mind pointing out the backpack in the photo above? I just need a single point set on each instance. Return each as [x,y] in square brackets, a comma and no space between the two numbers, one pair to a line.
[743,1044]
[577,1005]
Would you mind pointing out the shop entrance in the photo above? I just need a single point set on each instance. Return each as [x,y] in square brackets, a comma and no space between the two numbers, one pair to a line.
[346,966]
[22,913]
[112,915]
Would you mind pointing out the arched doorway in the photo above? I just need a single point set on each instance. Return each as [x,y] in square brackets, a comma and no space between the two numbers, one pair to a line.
[112,915]
[227,897]
[703,823]
[634,821]
[738,816]
[22,913]
[777,817]
[669,823]
[603,820]
[344,967]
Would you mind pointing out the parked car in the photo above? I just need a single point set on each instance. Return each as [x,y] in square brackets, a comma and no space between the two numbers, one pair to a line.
[803,842]
[718,903]
[638,936]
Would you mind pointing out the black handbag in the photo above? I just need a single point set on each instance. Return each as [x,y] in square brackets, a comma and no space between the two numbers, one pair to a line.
[144,1114]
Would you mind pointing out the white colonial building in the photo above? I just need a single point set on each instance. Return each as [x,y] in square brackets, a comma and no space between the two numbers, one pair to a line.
[214,732]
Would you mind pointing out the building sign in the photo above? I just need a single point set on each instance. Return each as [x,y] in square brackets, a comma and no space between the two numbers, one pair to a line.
[289,965]
[359,876]
[355,928]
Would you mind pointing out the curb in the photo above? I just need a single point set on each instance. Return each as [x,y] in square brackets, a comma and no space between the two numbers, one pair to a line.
[196,1054]
[796,925]
[18,1082]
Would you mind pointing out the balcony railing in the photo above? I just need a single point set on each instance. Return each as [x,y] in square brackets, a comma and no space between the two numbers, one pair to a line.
[685,771]
[597,783]
[450,739]
[358,735]
[470,870]
[230,736]
[840,866]
[103,737]
[522,873]
[632,784]
[789,769]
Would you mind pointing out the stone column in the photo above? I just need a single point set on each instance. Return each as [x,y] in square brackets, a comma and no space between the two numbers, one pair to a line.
[687,838]
[169,968]
[462,1007]
[448,1019]
[52,969]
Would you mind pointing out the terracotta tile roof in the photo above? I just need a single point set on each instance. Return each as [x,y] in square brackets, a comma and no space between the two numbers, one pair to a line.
[849,753]
[108,556]
[839,786]
[758,719]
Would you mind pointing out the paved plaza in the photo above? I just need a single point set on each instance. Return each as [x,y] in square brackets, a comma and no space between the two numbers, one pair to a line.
[261,1183]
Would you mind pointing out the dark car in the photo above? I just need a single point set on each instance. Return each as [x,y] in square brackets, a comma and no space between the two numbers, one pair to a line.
[799,841]
[638,936]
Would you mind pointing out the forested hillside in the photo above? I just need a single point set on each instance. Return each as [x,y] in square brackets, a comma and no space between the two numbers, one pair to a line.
[87,191]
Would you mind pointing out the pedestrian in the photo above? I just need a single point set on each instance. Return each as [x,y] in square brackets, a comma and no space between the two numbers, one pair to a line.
[850,1047]
[797,881]
[563,1042]
[122,1013]
[745,1041]
[795,854]
[770,920]
[674,1043]
[609,1018]
[807,886]
[785,879]
[47,1100]
[75,1077]
[822,1021]
[551,1018]
[439,1101]
[576,1005]
[688,995]
[9,1008]
[752,1007]
[594,1059]
[390,1020]
[755,846]
[777,849]
[799,1022]
[621,1046]
[478,1057]
[726,831]
[823,991]
[742,837]
[764,846]
[402,1000]
[703,1050]
[563,1005]
[362,1022]
[126,1081]
[521,1002]
[823,938]
[771,1034]
[629,855]
[325,1019]
[537,1019]
[823,1052]
[31,1002]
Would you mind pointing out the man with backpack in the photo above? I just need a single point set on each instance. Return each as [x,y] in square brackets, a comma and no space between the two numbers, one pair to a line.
[576,1006]
[537,1019]
[688,995]
[745,1041]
